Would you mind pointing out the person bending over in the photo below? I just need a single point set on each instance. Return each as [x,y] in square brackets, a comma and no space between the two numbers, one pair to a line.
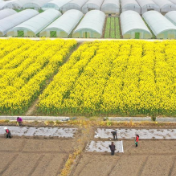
[8,133]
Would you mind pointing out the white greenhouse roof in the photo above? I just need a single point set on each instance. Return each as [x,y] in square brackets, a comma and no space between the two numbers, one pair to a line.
[39,22]
[92,5]
[67,22]
[110,6]
[173,1]
[74,4]
[148,5]
[93,20]
[130,5]
[35,3]
[163,3]
[131,20]
[16,19]
[55,4]
[171,16]
[157,22]
[143,3]
[6,12]
[128,2]
[10,4]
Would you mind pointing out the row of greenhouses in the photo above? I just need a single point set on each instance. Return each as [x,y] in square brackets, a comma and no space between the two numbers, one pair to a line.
[29,23]
[151,23]
[73,23]
[107,6]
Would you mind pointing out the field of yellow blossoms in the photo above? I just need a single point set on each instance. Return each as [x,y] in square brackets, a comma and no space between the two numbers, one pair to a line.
[25,65]
[110,77]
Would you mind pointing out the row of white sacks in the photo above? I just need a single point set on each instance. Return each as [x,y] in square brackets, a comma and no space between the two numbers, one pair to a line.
[89,26]
[107,6]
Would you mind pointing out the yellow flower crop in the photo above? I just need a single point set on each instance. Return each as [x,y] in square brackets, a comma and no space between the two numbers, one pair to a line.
[25,65]
[109,77]
[115,77]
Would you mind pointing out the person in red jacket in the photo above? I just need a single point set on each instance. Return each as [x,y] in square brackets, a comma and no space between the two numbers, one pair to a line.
[8,133]
[137,140]
[112,148]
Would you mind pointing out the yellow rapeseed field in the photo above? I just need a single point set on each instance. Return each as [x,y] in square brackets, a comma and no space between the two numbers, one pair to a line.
[115,77]
[110,77]
[25,65]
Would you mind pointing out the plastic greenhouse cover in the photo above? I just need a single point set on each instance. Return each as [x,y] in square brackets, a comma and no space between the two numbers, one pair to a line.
[146,2]
[110,6]
[157,22]
[8,4]
[93,20]
[67,22]
[22,2]
[128,2]
[57,4]
[162,3]
[113,2]
[39,22]
[16,19]
[131,20]
[173,1]
[73,3]
[38,3]
[6,12]
[171,16]
[92,4]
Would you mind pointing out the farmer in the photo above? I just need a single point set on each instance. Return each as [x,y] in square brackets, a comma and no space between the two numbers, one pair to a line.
[114,134]
[8,133]
[137,140]
[19,121]
[112,148]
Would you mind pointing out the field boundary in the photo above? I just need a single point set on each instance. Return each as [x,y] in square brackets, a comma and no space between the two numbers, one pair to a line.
[88,40]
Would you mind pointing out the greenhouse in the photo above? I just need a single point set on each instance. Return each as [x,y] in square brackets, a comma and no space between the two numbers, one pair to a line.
[171,16]
[32,27]
[173,1]
[74,4]
[91,26]
[92,5]
[133,26]
[148,5]
[6,12]
[35,4]
[63,26]
[55,4]
[160,25]
[111,6]
[130,5]
[165,5]
[9,22]
[10,4]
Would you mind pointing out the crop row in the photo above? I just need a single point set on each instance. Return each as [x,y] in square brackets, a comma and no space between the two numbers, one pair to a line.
[127,78]
[25,69]
[112,28]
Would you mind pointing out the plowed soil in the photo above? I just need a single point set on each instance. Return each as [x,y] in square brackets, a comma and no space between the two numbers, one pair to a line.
[150,158]
[33,157]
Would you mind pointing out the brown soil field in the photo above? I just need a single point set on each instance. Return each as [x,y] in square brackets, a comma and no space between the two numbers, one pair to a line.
[150,158]
[33,157]
[47,157]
